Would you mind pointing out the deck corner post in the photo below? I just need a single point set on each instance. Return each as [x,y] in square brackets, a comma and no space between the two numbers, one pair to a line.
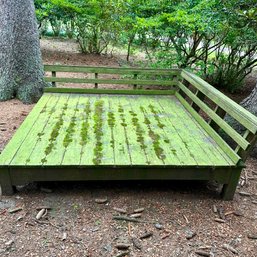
[228,190]
[5,182]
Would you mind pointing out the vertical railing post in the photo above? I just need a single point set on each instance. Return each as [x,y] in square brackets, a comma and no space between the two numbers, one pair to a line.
[252,139]
[135,85]
[201,96]
[54,76]
[96,76]
[221,113]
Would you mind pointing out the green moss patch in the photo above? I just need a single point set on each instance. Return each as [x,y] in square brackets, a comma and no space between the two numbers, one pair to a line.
[155,138]
[98,124]
[111,123]
[55,132]
[122,116]
[85,125]
[156,116]
[139,130]
[69,132]
[187,147]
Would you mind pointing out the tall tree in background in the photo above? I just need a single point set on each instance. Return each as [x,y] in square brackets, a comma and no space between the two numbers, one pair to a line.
[21,69]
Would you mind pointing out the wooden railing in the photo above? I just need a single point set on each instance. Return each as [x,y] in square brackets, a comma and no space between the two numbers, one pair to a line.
[124,76]
[202,97]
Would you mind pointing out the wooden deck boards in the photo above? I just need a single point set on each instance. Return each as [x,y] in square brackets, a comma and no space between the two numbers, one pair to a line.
[117,130]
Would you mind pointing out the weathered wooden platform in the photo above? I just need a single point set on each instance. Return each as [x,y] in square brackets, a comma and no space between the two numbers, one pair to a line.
[103,134]
[116,130]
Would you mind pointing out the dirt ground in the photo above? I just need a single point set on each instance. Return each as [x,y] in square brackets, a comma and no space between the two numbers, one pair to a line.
[180,219]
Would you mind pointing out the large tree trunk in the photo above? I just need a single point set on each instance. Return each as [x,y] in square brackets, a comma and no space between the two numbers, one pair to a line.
[250,104]
[21,69]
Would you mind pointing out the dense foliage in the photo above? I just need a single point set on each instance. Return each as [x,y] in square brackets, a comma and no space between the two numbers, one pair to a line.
[216,37]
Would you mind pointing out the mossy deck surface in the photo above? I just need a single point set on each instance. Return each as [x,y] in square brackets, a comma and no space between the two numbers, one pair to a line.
[66,129]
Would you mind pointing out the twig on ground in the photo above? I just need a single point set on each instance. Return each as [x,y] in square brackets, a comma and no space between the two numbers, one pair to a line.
[126,218]
[202,253]
[230,248]
[129,229]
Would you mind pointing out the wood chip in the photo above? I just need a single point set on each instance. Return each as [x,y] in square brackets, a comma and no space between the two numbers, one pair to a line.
[64,236]
[139,210]
[45,213]
[158,226]
[242,182]
[186,219]
[20,218]
[146,235]
[243,193]
[230,248]
[204,247]
[229,213]
[165,236]
[136,242]
[190,234]
[40,214]
[214,208]
[10,242]
[254,202]
[15,210]
[129,228]
[101,200]
[202,253]
[252,236]
[120,210]
[219,220]
[122,246]
[24,113]
[136,215]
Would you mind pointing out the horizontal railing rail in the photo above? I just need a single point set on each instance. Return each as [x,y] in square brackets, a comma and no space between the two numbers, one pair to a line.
[126,76]
[110,70]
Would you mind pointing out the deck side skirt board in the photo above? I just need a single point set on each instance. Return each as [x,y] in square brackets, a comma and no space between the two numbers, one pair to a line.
[23,175]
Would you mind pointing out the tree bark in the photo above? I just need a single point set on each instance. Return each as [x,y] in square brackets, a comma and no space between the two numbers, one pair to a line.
[21,68]
[250,104]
